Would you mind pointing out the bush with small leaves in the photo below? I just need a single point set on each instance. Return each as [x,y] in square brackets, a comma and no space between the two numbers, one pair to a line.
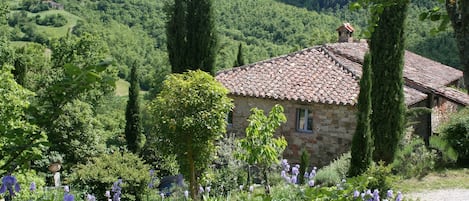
[99,175]
[456,133]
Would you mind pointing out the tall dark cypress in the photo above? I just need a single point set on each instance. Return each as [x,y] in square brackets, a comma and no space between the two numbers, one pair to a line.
[362,143]
[387,53]
[133,127]
[176,33]
[240,58]
[192,39]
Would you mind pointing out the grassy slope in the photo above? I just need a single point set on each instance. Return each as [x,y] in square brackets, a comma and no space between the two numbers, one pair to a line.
[436,180]
[56,32]
[122,88]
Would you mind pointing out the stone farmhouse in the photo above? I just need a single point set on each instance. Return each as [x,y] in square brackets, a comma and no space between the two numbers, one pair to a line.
[318,88]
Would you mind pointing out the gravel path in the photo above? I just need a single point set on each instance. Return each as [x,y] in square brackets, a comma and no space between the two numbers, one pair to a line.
[440,195]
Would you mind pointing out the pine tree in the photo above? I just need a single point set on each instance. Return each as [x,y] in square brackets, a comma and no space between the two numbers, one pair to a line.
[240,58]
[192,40]
[133,127]
[362,144]
[387,53]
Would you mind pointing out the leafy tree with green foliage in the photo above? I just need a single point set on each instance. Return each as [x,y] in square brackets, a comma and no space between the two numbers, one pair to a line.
[191,36]
[387,63]
[76,133]
[20,140]
[240,58]
[362,143]
[259,146]
[133,127]
[189,115]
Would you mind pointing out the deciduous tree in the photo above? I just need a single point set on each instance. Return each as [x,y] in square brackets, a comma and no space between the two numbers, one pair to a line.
[259,146]
[190,114]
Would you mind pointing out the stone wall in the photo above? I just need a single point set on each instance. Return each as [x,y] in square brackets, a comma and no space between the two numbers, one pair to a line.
[441,112]
[333,127]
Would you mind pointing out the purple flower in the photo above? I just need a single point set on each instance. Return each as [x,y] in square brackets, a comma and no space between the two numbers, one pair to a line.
[90,197]
[32,187]
[8,182]
[207,189]
[69,197]
[67,189]
[116,189]
[162,195]
[356,194]
[399,196]
[295,171]
[311,183]
[313,173]
[116,186]
[201,189]
[283,174]
[241,187]
[251,189]
[186,194]
[294,179]
[389,194]
[306,176]
[376,195]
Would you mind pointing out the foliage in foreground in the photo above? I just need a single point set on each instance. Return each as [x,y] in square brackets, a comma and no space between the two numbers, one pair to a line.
[99,175]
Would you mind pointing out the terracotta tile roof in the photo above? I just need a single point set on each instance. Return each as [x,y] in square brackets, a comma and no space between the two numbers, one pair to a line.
[329,74]
[308,76]
[417,68]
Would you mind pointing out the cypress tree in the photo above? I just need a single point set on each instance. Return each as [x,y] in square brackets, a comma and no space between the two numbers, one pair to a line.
[240,58]
[362,144]
[133,127]
[387,53]
[192,40]
[176,36]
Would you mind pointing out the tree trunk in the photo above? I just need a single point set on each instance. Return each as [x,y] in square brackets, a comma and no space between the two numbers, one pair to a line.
[458,12]
[193,181]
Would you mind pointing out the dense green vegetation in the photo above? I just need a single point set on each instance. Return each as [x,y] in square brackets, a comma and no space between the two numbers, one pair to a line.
[58,103]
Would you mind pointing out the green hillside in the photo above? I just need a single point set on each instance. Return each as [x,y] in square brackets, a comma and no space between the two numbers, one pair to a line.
[135,30]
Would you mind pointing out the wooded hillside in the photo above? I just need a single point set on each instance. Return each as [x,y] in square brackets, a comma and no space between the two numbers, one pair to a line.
[135,29]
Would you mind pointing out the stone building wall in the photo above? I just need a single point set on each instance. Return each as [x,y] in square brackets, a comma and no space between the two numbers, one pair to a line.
[441,112]
[333,127]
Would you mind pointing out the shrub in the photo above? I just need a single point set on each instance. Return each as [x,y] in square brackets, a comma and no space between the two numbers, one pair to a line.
[456,133]
[101,172]
[379,177]
[446,155]
[414,159]
[227,173]
[303,165]
[333,173]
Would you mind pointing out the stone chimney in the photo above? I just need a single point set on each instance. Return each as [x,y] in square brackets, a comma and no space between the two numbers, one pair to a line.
[345,33]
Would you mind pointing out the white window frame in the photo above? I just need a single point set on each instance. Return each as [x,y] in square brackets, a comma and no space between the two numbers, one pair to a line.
[307,113]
